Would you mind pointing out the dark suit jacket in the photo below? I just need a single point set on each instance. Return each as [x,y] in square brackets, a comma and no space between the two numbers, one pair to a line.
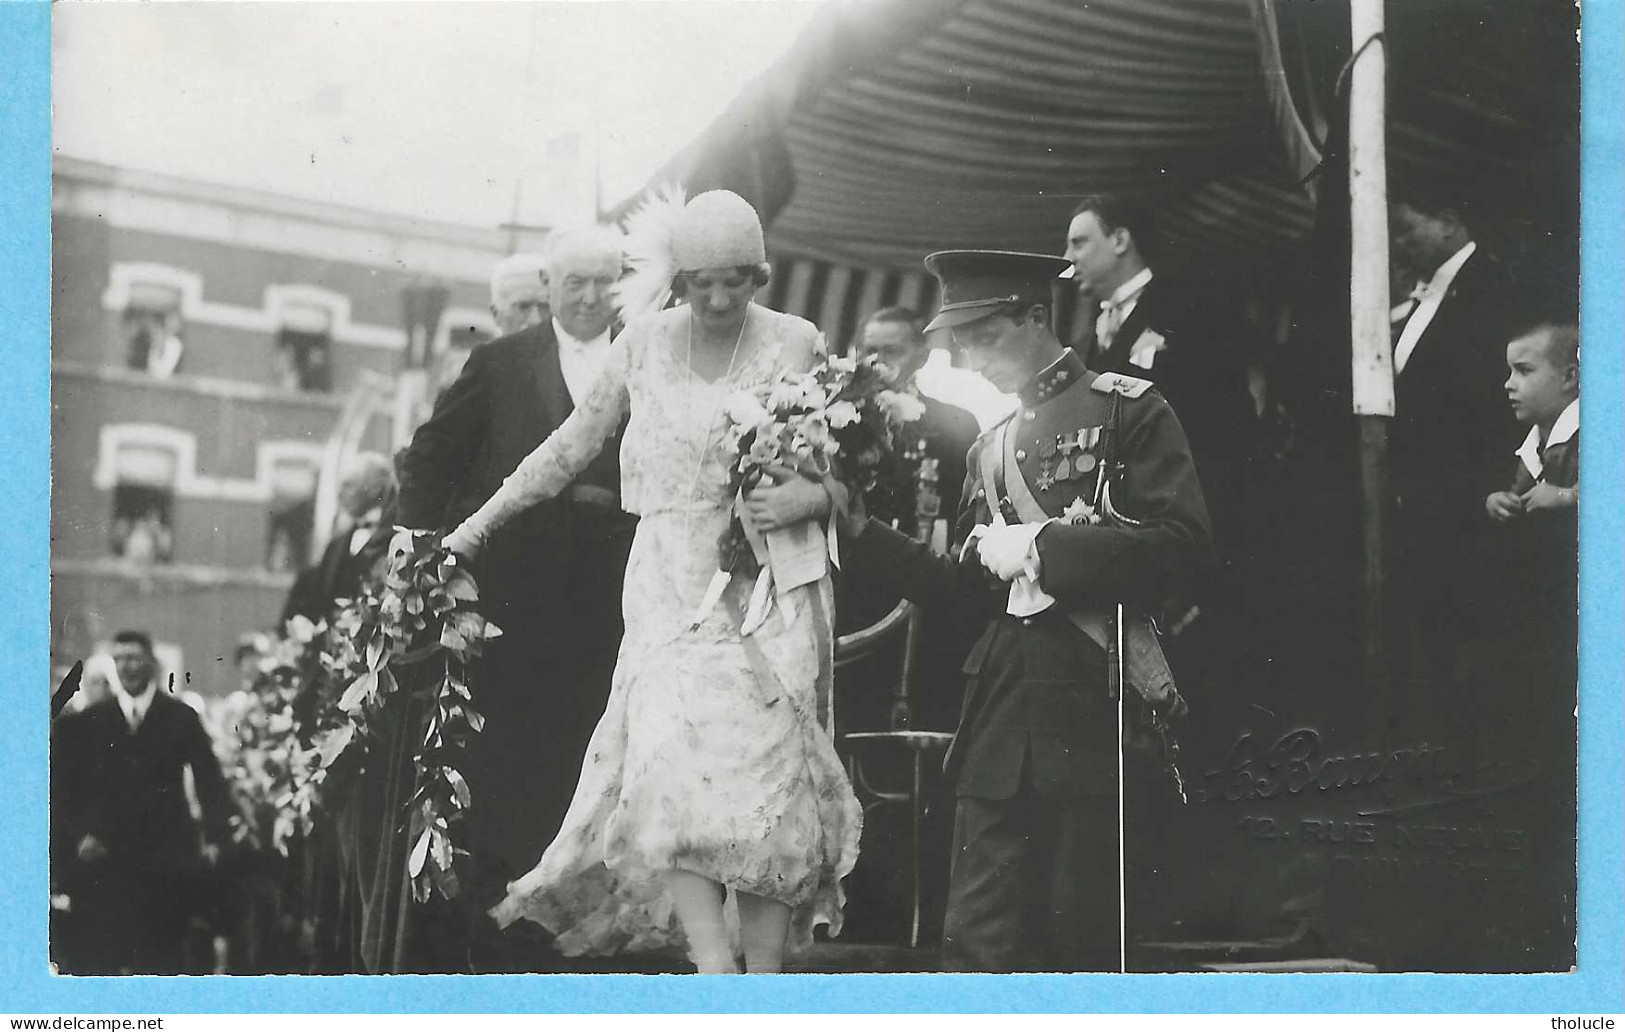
[1451,435]
[127,788]
[1203,374]
[1451,417]
[338,574]
[550,577]
[1036,703]
[509,397]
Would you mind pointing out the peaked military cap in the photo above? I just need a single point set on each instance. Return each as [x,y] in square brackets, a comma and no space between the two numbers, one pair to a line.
[976,283]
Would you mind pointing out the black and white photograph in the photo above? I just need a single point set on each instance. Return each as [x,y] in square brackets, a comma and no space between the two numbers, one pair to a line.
[814,486]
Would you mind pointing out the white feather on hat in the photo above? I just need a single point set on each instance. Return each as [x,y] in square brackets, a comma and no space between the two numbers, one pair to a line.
[650,248]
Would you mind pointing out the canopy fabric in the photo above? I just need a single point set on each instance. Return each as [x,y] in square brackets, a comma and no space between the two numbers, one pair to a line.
[893,128]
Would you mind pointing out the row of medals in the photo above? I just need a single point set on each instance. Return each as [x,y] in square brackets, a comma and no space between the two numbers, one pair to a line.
[1070,457]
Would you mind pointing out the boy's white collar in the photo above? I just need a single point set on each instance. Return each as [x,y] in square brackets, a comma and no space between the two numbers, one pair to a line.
[1563,431]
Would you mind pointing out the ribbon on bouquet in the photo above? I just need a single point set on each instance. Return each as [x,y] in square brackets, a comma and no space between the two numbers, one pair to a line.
[789,558]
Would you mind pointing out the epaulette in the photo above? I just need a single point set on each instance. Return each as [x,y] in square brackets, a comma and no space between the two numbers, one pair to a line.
[1127,386]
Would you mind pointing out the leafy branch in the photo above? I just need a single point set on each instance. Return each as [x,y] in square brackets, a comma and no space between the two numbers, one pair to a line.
[315,696]
[422,626]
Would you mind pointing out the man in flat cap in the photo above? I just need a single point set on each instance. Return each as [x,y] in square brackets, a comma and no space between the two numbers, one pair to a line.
[1080,514]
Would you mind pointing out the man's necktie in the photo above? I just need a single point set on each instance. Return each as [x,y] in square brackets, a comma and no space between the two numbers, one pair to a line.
[1107,324]
[1402,311]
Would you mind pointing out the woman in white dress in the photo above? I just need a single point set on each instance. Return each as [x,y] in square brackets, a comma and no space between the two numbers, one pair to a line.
[712,771]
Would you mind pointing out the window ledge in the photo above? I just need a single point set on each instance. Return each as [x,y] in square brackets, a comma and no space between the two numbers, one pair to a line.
[206,386]
[189,574]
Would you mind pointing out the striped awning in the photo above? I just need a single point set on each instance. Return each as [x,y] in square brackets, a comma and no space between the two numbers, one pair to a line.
[893,128]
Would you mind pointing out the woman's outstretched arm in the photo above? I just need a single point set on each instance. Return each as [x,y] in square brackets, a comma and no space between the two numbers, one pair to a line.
[555,462]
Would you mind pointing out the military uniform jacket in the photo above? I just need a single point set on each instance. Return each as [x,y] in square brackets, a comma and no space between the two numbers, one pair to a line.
[1036,695]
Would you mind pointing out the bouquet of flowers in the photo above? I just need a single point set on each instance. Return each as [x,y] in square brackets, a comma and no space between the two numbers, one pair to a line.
[833,422]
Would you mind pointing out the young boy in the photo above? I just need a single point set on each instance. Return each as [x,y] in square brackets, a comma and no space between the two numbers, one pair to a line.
[1544,388]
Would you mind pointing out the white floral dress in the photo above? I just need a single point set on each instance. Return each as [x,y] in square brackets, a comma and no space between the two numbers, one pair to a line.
[714,753]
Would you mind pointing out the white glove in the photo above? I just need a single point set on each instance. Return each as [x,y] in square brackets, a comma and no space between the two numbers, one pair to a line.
[465,541]
[1008,552]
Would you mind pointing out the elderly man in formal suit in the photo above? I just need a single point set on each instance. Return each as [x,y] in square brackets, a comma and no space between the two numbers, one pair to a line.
[519,293]
[1155,329]
[366,494]
[125,847]
[1038,556]
[551,578]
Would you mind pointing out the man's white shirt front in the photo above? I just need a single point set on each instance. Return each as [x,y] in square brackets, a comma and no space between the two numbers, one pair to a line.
[1115,310]
[135,706]
[1427,305]
[580,361]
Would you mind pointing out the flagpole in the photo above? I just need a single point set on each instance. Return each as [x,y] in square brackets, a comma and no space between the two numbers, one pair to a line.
[1373,369]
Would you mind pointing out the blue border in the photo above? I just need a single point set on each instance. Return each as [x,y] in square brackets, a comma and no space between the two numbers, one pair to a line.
[1598,986]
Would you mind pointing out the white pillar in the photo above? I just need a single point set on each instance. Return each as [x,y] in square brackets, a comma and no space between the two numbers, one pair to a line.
[1368,209]
[1373,360]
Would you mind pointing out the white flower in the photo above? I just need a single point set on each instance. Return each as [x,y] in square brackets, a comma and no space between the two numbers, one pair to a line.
[796,390]
[842,364]
[301,629]
[745,409]
[900,407]
[842,413]
[811,431]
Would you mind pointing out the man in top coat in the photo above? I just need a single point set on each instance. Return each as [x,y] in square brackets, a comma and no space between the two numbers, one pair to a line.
[551,578]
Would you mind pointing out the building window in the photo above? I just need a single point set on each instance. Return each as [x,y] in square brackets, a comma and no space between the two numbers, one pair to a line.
[142,528]
[304,348]
[152,328]
[293,515]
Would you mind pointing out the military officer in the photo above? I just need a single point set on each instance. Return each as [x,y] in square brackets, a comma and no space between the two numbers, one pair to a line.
[1084,499]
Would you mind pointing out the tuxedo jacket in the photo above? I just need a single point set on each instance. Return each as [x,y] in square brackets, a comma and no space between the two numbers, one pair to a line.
[1451,417]
[338,574]
[546,569]
[1202,373]
[1036,709]
[127,788]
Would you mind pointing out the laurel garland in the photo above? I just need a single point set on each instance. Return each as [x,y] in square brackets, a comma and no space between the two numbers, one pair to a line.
[300,735]
[423,625]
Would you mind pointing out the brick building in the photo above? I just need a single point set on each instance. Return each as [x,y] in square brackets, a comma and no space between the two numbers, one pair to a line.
[207,342]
